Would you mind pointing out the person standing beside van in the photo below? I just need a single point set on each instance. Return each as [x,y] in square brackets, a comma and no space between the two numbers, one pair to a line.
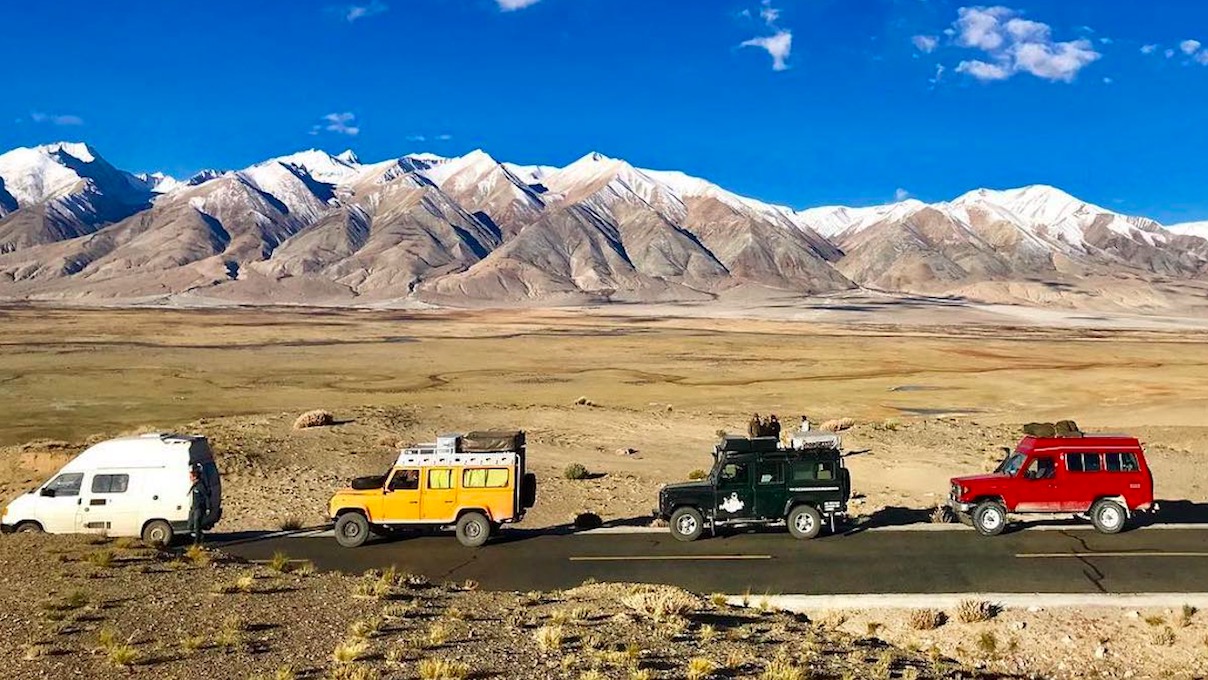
[199,504]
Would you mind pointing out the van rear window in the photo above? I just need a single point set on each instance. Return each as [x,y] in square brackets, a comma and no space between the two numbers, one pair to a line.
[110,483]
[485,478]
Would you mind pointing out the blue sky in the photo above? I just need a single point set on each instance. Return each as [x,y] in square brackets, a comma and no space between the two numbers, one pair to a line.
[801,102]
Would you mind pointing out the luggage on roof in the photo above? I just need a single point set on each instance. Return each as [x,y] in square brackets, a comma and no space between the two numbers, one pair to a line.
[486,441]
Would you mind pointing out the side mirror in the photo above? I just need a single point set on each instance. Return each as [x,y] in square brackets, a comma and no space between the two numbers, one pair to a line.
[48,492]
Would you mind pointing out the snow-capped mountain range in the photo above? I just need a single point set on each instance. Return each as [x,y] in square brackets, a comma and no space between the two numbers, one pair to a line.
[321,228]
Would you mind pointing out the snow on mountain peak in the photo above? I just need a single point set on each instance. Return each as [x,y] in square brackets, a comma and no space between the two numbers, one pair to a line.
[468,168]
[348,157]
[159,183]
[32,175]
[320,165]
[77,150]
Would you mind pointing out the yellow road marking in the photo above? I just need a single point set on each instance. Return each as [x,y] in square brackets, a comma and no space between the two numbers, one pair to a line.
[638,558]
[1152,553]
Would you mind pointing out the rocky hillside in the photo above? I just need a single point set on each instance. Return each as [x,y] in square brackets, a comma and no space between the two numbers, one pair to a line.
[317,228]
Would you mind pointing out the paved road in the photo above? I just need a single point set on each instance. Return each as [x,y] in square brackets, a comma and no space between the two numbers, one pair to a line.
[1057,561]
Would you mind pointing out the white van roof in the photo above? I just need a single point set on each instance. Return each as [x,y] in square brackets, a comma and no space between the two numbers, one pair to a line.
[154,450]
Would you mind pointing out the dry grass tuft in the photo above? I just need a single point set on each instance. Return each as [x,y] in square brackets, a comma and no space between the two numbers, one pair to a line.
[315,418]
[1164,637]
[782,668]
[699,668]
[838,425]
[290,523]
[976,611]
[549,638]
[442,669]
[102,559]
[1186,614]
[941,514]
[438,634]
[661,603]
[366,628]
[926,619]
[123,656]
[192,643]
[349,651]
[697,474]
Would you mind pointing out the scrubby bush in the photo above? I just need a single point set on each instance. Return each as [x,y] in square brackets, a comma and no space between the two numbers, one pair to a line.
[976,611]
[584,401]
[926,619]
[442,669]
[549,638]
[697,474]
[575,471]
[315,418]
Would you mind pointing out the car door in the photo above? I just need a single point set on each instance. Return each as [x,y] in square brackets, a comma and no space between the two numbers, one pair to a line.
[59,503]
[438,502]
[1037,487]
[1126,478]
[401,497]
[734,498]
[1080,487]
[769,488]
[108,505]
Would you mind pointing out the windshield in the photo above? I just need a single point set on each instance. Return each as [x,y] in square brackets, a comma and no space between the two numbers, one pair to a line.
[1010,466]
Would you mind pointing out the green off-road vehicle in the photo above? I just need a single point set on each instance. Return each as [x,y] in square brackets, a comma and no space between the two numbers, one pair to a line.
[754,481]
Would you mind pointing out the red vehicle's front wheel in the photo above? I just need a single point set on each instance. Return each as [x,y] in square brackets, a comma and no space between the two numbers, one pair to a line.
[990,518]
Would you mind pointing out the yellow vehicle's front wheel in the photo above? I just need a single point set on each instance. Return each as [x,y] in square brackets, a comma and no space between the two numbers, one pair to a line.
[473,529]
[352,530]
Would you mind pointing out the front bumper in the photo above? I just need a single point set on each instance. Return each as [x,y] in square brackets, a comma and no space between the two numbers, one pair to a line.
[958,506]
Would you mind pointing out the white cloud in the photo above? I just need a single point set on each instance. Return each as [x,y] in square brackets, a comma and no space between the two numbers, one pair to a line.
[55,119]
[444,138]
[939,74]
[1201,58]
[983,71]
[417,138]
[353,12]
[1169,53]
[1190,47]
[779,46]
[925,43]
[900,195]
[340,123]
[1014,45]
[512,5]
[1149,49]
[1108,81]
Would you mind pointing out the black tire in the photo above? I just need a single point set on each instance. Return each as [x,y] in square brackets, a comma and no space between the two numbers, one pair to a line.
[27,527]
[1108,517]
[804,522]
[687,524]
[352,530]
[990,518]
[158,532]
[473,529]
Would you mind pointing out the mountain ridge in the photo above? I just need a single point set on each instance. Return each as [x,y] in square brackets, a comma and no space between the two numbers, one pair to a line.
[473,230]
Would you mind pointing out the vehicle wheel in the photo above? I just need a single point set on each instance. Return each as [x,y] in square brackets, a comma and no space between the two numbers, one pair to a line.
[804,522]
[27,527]
[352,530]
[473,529]
[158,532]
[1108,517]
[687,524]
[990,518]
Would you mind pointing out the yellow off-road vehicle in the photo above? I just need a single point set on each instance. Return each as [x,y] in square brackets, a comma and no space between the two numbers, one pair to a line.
[475,482]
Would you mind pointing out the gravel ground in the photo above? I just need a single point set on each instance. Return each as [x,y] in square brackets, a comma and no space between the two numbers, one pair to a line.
[73,607]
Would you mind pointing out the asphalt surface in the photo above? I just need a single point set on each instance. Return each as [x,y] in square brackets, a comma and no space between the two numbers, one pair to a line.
[1027,561]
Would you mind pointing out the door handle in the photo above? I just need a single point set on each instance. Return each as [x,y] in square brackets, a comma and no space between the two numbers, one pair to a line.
[97,501]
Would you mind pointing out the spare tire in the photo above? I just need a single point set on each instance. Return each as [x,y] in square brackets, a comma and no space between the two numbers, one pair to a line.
[364,483]
[528,491]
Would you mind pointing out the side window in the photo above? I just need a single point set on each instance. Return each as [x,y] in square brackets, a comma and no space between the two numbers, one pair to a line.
[804,472]
[825,471]
[1121,462]
[484,478]
[769,473]
[1082,462]
[440,479]
[1073,462]
[65,485]
[733,474]
[110,483]
[1040,468]
[404,480]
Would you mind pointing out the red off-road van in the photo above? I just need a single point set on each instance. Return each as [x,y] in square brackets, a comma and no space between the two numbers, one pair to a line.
[1103,476]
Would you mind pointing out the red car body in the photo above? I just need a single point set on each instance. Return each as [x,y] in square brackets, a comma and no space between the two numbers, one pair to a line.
[1105,476]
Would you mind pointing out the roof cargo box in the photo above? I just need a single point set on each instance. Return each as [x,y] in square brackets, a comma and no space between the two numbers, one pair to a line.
[492,440]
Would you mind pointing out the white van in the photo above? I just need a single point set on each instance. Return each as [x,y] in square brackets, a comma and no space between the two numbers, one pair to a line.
[132,486]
